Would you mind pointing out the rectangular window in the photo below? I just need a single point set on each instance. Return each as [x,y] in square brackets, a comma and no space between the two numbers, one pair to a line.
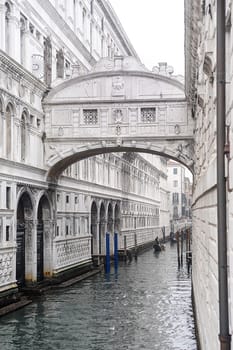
[76,200]
[90,116]
[175,183]
[148,115]
[67,199]
[58,197]
[174,171]
[7,233]
[8,197]
[67,230]
[175,198]
[57,233]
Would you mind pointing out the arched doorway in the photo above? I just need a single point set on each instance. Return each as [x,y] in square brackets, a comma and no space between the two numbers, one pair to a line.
[102,229]
[23,237]
[43,237]
[94,241]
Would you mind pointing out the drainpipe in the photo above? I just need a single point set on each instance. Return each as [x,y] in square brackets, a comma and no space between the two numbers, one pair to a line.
[224,336]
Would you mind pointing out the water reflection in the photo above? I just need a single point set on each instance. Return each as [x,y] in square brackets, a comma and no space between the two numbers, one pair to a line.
[146,304]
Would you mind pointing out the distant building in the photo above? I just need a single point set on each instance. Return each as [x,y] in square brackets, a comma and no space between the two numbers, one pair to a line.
[188,188]
[180,191]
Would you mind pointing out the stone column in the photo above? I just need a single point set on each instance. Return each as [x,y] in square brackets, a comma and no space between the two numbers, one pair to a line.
[31,250]
[12,136]
[27,50]
[2,25]
[112,234]
[16,132]
[96,230]
[14,42]
[3,195]
[95,237]
[103,238]
[1,128]
[1,228]
[48,228]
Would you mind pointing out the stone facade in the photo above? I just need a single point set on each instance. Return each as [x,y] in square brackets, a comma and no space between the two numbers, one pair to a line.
[48,227]
[180,191]
[201,91]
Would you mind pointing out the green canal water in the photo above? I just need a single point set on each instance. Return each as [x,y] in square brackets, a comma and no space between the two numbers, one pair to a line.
[145,305]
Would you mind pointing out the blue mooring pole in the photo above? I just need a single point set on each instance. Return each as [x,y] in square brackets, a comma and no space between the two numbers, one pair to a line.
[116,251]
[107,267]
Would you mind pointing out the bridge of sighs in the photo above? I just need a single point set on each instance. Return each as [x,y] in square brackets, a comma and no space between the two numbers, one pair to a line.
[118,106]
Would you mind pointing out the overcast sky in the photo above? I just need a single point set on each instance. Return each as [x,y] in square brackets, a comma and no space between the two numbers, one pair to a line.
[156,30]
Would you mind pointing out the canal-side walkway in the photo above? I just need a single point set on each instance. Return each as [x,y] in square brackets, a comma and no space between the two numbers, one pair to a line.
[146,304]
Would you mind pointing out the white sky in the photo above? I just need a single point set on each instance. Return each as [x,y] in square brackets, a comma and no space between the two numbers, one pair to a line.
[156,30]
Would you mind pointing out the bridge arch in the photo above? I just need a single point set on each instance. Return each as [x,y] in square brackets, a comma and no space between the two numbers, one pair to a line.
[119,106]
[181,152]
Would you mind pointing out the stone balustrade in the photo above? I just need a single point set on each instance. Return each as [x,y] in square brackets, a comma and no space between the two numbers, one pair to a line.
[69,252]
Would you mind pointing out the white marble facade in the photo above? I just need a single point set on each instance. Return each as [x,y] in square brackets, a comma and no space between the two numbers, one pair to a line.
[47,228]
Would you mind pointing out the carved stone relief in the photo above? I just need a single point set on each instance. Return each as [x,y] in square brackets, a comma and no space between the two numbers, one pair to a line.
[118,86]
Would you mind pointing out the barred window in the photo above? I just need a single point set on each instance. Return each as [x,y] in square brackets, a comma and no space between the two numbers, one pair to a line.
[148,115]
[90,116]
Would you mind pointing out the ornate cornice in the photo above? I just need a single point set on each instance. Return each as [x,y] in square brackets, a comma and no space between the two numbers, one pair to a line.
[19,73]
[20,102]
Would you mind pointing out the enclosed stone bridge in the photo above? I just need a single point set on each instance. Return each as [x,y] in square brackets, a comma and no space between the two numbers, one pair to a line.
[118,106]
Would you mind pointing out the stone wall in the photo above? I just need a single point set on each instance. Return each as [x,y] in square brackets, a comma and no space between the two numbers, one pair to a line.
[201,41]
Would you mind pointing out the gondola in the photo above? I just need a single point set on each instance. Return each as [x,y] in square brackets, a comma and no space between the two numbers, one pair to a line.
[157,247]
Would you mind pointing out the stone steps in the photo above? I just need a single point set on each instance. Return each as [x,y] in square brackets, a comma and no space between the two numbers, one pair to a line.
[14,306]
[79,278]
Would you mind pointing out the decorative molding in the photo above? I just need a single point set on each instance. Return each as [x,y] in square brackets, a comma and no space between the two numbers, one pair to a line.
[18,72]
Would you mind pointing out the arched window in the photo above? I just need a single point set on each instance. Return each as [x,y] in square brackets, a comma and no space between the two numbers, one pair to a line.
[7,27]
[9,115]
[23,136]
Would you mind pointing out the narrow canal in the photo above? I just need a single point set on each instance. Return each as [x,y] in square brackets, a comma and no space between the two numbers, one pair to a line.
[145,305]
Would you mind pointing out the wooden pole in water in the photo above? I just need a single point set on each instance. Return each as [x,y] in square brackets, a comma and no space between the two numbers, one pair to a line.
[135,245]
[116,251]
[178,247]
[187,244]
[181,243]
[107,265]
[125,248]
